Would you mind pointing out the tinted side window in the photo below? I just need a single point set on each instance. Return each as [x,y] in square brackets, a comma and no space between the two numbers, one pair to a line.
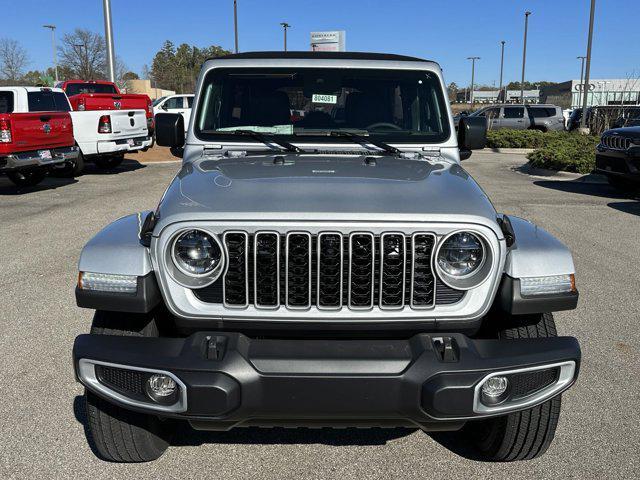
[513,112]
[541,112]
[175,102]
[47,102]
[6,102]
[190,101]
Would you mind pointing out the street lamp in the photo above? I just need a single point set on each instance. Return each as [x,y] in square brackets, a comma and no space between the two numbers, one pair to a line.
[581,89]
[108,37]
[235,21]
[524,54]
[285,25]
[583,120]
[53,43]
[502,42]
[473,72]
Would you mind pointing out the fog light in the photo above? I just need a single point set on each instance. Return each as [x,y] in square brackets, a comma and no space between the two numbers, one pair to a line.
[494,390]
[495,386]
[162,388]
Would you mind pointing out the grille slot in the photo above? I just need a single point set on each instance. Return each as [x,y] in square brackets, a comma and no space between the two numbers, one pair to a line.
[361,270]
[422,278]
[330,271]
[330,267]
[267,269]
[393,267]
[298,270]
[236,280]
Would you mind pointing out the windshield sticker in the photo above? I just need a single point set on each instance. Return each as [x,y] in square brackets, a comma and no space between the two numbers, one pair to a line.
[320,98]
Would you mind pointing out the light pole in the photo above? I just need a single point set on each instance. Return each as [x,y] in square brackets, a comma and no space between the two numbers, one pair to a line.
[583,120]
[524,54]
[502,42]
[53,43]
[285,25]
[581,89]
[235,21]
[473,72]
[108,37]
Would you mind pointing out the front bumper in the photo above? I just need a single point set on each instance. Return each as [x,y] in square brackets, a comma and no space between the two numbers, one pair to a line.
[228,379]
[124,145]
[38,158]
[619,163]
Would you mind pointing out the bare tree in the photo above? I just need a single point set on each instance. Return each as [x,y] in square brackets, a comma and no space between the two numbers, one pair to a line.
[13,60]
[82,52]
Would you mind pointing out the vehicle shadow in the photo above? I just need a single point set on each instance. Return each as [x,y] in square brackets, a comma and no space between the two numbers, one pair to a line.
[455,443]
[592,189]
[632,208]
[49,183]
[187,436]
[127,166]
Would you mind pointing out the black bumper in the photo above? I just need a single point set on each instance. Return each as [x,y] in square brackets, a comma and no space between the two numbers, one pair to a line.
[619,163]
[233,380]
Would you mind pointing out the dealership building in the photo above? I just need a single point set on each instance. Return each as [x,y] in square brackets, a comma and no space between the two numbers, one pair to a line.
[601,92]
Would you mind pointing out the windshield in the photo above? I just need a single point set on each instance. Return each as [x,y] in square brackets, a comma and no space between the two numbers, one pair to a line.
[78,88]
[396,105]
[158,100]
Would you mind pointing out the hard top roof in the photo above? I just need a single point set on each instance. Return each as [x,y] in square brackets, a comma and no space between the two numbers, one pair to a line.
[320,55]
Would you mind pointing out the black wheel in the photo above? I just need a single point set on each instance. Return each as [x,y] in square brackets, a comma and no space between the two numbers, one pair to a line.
[121,435]
[73,168]
[107,163]
[623,184]
[521,435]
[27,178]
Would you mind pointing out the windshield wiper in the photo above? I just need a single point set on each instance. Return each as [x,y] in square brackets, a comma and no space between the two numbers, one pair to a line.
[267,139]
[360,139]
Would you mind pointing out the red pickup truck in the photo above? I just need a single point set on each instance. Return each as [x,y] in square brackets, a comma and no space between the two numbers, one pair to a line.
[103,95]
[36,133]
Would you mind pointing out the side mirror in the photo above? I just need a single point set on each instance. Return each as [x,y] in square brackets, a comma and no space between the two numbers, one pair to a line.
[472,135]
[164,106]
[170,130]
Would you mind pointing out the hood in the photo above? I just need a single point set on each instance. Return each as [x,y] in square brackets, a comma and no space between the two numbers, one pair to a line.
[324,187]
[630,132]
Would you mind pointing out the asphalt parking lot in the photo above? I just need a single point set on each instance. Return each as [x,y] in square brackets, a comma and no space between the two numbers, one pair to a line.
[42,416]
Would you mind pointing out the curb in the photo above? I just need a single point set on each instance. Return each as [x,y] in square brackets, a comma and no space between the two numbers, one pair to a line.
[545,174]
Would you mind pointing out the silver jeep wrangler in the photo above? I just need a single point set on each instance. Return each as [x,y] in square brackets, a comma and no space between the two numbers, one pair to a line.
[322,259]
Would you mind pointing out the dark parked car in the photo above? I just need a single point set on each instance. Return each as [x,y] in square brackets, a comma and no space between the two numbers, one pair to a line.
[618,157]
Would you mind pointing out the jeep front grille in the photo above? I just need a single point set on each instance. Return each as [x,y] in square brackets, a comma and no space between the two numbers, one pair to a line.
[615,142]
[329,271]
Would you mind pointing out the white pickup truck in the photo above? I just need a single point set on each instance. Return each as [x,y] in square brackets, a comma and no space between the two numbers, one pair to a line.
[105,136]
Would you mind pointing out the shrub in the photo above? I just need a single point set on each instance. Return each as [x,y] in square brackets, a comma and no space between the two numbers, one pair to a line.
[520,138]
[570,152]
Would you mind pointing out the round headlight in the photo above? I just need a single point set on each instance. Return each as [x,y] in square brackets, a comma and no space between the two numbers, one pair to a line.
[461,254]
[196,253]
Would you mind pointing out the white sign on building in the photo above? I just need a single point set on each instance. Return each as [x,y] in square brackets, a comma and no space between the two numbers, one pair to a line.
[328,41]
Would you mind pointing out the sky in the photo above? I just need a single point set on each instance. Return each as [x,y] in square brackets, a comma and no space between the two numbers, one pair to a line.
[447,31]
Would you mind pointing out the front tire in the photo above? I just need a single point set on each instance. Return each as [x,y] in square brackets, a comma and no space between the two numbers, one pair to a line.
[27,178]
[520,435]
[122,435]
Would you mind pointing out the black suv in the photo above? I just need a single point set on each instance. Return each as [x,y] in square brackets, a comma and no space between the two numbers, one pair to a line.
[618,157]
